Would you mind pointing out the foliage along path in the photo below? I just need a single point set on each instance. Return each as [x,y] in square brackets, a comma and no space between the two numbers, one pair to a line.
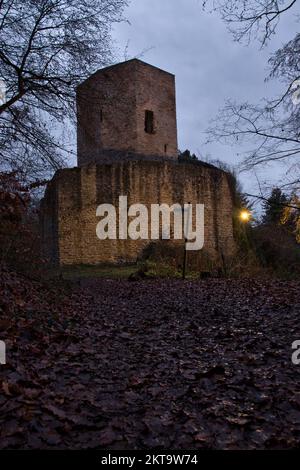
[152,364]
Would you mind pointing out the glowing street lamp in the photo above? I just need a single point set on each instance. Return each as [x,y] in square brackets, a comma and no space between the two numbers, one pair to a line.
[245,215]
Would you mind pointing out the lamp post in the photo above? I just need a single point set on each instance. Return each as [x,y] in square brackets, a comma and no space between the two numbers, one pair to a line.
[245,215]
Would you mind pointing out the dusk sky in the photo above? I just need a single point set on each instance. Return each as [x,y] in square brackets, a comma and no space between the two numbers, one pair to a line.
[209,66]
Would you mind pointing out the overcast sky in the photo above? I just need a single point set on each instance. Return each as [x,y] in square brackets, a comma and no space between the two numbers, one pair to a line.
[178,36]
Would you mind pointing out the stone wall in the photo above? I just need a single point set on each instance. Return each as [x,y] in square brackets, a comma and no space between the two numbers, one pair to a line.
[111,106]
[69,207]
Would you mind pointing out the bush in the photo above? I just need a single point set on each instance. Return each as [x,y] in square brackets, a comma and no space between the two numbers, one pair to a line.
[278,250]
[19,226]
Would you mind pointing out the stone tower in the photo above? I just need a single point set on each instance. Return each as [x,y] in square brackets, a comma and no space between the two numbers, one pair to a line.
[126,108]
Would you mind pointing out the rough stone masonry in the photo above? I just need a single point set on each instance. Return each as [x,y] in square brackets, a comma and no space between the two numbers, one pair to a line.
[127,145]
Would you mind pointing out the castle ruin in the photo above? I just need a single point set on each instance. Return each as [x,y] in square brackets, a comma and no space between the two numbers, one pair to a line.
[127,145]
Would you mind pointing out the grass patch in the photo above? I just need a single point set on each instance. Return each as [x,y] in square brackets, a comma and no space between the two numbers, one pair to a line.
[100,271]
[142,270]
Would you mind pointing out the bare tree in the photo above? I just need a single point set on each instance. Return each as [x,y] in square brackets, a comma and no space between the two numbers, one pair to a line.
[248,19]
[47,47]
[272,127]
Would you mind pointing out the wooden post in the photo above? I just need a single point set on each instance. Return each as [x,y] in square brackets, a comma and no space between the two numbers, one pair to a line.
[185,242]
[184,260]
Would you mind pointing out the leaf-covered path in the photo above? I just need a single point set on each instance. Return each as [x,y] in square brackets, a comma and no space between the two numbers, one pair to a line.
[152,364]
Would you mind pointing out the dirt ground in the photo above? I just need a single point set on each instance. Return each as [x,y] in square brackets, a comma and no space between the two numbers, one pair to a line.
[114,364]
